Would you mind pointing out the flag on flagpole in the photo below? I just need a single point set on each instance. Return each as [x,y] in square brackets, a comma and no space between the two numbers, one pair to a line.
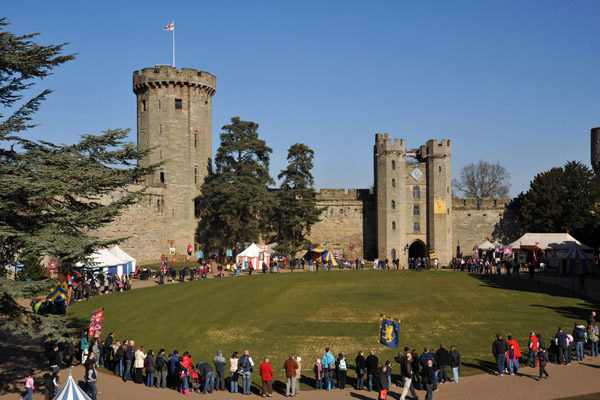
[96,322]
[389,331]
[170,27]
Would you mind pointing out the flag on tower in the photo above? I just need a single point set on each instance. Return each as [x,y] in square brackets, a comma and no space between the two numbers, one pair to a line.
[170,27]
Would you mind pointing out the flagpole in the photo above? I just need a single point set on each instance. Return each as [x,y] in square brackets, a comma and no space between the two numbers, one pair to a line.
[173,43]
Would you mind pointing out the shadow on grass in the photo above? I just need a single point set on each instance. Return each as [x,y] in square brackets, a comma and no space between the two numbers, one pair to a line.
[568,312]
[486,366]
[530,286]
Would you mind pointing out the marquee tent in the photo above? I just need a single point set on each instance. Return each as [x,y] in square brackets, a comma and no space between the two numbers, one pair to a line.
[104,261]
[545,241]
[320,254]
[71,391]
[577,261]
[487,245]
[121,255]
[255,255]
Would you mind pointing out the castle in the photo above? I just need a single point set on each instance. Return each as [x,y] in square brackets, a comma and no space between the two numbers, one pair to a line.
[409,213]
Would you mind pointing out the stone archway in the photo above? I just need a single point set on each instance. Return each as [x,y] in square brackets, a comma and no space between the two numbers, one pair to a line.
[416,250]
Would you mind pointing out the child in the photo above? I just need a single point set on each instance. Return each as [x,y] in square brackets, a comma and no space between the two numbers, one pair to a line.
[388,372]
[318,369]
[55,381]
[542,359]
[29,384]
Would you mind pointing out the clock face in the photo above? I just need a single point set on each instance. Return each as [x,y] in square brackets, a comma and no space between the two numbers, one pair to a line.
[416,174]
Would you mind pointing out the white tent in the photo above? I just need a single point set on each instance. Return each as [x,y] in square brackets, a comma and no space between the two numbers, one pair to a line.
[556,241]
[487,245]
[105,261]
[71,391]
[121,255]
[253,254]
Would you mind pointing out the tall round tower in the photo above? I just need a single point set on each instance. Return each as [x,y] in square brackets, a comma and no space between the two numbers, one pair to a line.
[596,150]
[174,119]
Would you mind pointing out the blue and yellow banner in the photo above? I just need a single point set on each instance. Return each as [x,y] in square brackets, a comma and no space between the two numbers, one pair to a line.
[389,331]
[59,292]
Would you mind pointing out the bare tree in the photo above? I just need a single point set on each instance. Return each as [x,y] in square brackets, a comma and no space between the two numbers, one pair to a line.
[483,180]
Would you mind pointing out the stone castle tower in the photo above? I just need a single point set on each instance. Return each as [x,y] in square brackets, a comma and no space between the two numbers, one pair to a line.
[413,199]
[174,118]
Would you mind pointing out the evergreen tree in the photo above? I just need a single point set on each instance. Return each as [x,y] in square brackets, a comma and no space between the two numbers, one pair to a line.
[52,195]
[297,209]
[235,204]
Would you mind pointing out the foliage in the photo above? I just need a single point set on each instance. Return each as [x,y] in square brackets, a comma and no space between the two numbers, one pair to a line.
[297,207]
[561,199]
[32,268]
[235,204]
[483,180]
[52,195]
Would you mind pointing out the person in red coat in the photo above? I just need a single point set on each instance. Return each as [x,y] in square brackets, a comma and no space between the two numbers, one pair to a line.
[266,373]
[514,343]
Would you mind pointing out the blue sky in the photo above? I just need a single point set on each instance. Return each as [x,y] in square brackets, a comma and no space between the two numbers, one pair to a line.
[509,81]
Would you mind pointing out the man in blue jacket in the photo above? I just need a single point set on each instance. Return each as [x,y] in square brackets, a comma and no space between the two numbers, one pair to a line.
[327,361]
[172,365]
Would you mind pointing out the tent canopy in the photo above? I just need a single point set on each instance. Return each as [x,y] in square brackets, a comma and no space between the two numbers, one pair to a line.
[576,253]
[487,245]
[121,255]
[318,253]
[252,254]
[104,260]
[556,241]
[71,391]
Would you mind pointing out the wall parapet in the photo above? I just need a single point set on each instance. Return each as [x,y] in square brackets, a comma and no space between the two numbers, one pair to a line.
[483,204]
[342,194]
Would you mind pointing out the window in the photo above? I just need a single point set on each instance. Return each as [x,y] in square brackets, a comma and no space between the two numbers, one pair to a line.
[162,177]
[143,105]
[393,164]
[416,227]
[416,210]
[159,104]
[160,129]
[393,254]
[178,104]
[195,175]
[416,192]
[195,140]
[495,203]
[393,225]
[393,205]
[479,204]
[440,168]
[464,202]
[393,183]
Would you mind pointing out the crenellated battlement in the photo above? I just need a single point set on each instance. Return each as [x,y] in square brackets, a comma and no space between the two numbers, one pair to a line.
[384,143]
[483,204]
[342,194]
[435,147]
[165,75]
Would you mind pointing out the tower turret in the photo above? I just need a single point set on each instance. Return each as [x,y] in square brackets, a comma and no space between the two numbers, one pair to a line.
[174,119]
[596,150]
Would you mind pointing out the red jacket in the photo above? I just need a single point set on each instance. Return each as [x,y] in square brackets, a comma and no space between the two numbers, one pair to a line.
[266,371]
[517,349]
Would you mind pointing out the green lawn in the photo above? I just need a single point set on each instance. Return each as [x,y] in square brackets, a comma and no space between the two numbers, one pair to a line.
[304,312]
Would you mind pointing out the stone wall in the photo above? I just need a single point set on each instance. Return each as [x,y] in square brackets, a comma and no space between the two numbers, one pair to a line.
[349,217]
[473,222]
[143,223]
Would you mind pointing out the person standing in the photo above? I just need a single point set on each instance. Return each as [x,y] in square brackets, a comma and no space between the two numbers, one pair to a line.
[29,385]
[173,378]
[533,349]
[298,374]
[592,319]
[579,332]
[428,379]
[138,364]
[372,362]
[562,342]
[543,358]
[593,336]
[499,348]
[150,369]
[220,363]
[442,356]
[266,373]
[92,376]
[383,383]
[233,367]
[454,357]
[361,367]
[246,363]
[406,374]
[290,365]
[342,371]
[128,359]
[161,369]
[54,359]
[318,370]
[329,366]
[513,342]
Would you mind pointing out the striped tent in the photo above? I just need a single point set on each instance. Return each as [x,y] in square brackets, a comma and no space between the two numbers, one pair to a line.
[71,391]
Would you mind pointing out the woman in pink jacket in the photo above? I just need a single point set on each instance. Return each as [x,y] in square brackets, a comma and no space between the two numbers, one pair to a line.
[29,384]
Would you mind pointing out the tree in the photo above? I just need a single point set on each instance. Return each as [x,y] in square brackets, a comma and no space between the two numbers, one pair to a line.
[561,199]
[297,209]
[483,180]
[52,195]
[235,204]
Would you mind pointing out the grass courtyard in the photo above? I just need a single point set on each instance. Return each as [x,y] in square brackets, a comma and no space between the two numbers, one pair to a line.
[302,313]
